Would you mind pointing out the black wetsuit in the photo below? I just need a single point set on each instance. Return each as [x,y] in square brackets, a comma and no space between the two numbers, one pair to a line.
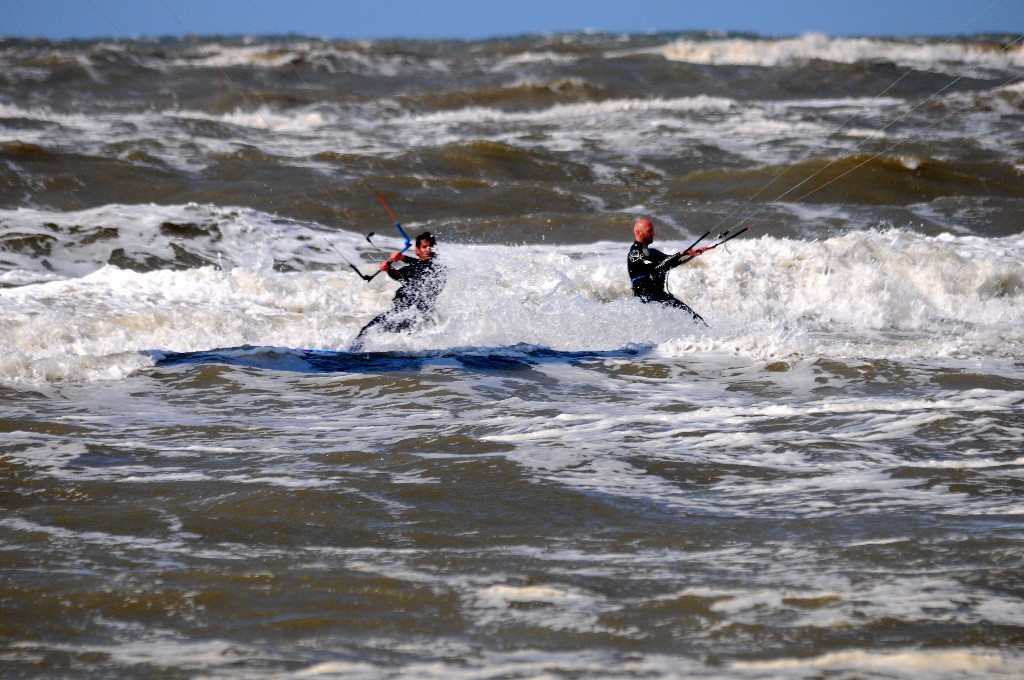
[648,269]
[422,281]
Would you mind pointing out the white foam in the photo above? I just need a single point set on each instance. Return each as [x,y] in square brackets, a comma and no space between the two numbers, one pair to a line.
[159,649]
[543,57]
[871,294]
[956,57]
[265,118]
[902,663]
[762,131]
[116,542]
[559,609]
[322,56]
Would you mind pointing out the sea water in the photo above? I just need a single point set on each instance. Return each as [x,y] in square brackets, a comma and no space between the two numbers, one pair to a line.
[551,479]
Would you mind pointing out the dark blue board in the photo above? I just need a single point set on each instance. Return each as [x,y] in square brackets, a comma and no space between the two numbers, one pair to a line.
[515,357]
[289,359]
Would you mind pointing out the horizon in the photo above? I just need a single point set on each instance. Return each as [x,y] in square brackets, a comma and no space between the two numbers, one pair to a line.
[471,20]
[699,33]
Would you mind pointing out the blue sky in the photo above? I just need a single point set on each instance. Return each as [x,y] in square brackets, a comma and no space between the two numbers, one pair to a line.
[60,19]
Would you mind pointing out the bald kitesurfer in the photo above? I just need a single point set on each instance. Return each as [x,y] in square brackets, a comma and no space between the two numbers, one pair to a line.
[422,281]
[649,267]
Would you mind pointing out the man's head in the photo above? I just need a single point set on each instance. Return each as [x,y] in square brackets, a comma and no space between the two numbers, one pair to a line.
[643,231]
[425,243]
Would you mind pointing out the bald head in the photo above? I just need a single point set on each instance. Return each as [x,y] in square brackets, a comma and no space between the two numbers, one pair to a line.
[643,231]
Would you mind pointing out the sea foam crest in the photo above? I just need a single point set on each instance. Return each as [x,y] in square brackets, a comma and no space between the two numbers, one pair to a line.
[870,294]
[361,58]
[787,51]
[266,118]
[697,103]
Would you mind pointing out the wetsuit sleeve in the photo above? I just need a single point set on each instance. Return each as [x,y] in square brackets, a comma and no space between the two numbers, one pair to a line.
[669,262]
[658,260]
[410,269]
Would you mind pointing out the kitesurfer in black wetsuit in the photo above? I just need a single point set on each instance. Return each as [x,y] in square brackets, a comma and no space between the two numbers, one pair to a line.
[648,269]
[413,305]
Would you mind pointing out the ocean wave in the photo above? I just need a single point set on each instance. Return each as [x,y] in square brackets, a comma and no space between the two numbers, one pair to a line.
[359,58]
[767,298]
[857,178]
[954,56]
[189,447]
[588,110]
[521,94]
